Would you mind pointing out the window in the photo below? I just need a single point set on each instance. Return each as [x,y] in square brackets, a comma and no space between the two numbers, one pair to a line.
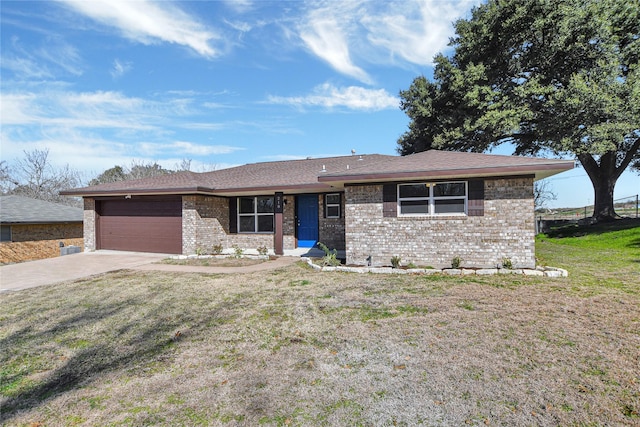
[441,198]
[332,204]
[5,235]
[255,214]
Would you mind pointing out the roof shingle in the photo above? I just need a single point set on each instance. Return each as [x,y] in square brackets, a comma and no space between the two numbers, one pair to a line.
[321,174]
[24,210]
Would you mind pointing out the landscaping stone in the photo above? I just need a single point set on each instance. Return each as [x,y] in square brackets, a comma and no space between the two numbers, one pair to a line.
[487,271]
[539,271]
[533,272]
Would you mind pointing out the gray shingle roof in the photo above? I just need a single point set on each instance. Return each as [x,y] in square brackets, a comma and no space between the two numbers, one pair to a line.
[321,174]
[24,210]
[290,175]
[447,164]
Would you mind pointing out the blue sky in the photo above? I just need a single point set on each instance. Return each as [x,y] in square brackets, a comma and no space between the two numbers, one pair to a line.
[104,83]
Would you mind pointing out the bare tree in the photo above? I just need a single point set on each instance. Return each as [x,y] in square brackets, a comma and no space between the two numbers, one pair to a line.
[184,165]
[35,177]
[542,194]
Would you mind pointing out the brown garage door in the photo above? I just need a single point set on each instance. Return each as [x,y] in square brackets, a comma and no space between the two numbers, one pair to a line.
[141,225]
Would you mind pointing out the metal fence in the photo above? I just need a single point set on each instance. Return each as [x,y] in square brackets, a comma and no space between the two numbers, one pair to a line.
[628,207]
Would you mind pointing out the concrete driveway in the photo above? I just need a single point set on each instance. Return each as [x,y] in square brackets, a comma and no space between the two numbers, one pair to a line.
[70,267]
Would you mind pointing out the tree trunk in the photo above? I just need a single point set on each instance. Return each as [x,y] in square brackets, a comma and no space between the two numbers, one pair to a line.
[603,177]
[603,209]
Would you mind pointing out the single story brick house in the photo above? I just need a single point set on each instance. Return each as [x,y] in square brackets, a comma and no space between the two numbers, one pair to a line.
[33,229]
[426,208]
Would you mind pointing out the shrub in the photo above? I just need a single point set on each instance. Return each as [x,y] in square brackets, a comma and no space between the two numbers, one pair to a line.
[506,263]
[237,251]
[395,261]
[330,256]
[262,250]
[216,249]
[456,262]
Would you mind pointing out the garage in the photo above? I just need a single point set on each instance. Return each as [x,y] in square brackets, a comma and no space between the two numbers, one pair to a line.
[145,224]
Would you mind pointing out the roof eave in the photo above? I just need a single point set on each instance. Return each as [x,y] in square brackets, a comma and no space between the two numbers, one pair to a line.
[41,222]
[137,192]
[540,171]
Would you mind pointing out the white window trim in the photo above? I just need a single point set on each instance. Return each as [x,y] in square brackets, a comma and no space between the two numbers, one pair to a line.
[255,215]
[327,205]
[431,199]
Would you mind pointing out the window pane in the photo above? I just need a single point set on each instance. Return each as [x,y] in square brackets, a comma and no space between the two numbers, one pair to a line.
[6,233]
[333,199]
[265,204]
[414,190]
[246,205]
[265,223]
[333,211]
[248,224]
[449,189]
[414,207]
[449,206]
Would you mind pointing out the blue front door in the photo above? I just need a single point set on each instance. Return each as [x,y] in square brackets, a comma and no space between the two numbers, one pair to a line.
[307,221]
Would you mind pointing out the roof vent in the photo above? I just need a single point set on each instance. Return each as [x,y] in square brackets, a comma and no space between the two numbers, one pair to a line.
[347,167]
[360,157]
[323,169]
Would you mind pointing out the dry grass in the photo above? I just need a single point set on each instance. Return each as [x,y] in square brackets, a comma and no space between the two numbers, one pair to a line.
[215,262]
[298,347]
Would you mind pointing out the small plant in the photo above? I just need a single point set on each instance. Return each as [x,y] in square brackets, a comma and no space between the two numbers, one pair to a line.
[395,261]
[237,251]
[411,265]
[262,250]
[216,249]
[200,251]
[506,263]
[456,262]
[330,257]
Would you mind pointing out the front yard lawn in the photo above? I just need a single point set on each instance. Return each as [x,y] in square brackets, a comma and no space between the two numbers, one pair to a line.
[298,347]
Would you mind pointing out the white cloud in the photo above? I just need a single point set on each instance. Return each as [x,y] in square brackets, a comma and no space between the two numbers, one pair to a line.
[348,35]
[150,22]
[326,36]
[415,31]
[240,6]
[187,148]
[352,97]
[119,68]
[62,55]
[29,62]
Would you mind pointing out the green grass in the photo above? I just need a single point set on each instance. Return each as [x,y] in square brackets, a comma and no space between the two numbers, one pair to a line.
[597,257]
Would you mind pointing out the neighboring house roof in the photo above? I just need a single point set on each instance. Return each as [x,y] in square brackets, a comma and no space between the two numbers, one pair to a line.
[24,210]
[323,174]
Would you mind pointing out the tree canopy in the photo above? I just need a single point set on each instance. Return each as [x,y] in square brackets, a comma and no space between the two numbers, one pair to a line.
[137,170]
[551,77]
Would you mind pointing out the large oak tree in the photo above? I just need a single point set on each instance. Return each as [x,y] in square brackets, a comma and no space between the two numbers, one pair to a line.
[551,77]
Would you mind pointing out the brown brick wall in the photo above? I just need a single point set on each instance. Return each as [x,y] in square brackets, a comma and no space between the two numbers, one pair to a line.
[505,230]
[331,230]
[31,232]
[205,223]
[89,222]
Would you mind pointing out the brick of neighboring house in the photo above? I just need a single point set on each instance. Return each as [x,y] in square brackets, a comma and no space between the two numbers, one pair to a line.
[39,241]
[505,230]
[31,232]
